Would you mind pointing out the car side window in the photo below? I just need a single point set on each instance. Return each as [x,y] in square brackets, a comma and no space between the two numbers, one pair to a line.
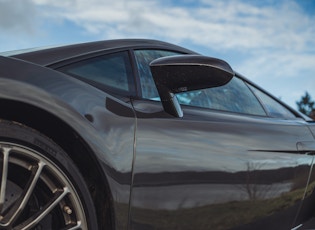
[143,59]
[273,108]
[112,71]
[234,96]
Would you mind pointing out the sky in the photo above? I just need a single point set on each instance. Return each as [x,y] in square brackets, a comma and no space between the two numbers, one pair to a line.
[271,42]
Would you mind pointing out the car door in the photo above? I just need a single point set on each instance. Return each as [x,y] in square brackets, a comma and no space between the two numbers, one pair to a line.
[233,161]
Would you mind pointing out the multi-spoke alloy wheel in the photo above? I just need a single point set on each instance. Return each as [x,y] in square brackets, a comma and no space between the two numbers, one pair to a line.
[36,190]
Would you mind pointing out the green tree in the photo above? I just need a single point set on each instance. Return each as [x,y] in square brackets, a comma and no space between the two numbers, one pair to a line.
[306,104]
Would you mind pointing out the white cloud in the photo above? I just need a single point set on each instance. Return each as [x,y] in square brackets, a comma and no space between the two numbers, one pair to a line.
[17,17]
[274,39]
[218,24]
[284,74]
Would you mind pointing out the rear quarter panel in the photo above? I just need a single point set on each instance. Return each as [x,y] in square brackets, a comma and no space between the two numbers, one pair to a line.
[109,135]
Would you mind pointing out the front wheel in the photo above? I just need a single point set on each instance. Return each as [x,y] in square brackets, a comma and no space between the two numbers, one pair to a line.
[40,186]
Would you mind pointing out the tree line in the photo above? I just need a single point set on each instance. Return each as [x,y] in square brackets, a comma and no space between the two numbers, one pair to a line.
[306,105]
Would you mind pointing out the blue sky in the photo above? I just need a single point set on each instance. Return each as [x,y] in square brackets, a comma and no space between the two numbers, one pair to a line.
[271,42]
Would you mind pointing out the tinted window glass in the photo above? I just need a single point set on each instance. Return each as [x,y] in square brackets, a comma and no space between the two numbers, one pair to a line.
[233,97]
[274,108]
[111,70]
[144,58]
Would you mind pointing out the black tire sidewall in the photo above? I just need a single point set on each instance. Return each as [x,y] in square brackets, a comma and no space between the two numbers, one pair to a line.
[16,133]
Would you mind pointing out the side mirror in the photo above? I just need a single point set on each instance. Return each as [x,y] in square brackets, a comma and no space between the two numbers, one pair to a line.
[175,74]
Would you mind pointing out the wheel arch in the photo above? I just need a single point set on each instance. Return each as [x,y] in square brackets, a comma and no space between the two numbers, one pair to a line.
[72,143]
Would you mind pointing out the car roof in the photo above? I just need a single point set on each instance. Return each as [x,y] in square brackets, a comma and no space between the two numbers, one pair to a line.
[51,55]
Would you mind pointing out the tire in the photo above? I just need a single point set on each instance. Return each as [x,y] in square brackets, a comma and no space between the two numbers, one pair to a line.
[41,188]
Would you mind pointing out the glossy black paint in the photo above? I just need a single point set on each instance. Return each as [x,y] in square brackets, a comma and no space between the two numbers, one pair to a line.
[221,172]
[184,73]
[206,170]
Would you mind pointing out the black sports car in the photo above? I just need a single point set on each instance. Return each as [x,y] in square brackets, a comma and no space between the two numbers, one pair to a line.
[142,134]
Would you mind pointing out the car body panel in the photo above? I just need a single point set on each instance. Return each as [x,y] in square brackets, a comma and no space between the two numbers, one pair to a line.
[84,108]
[219,170]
